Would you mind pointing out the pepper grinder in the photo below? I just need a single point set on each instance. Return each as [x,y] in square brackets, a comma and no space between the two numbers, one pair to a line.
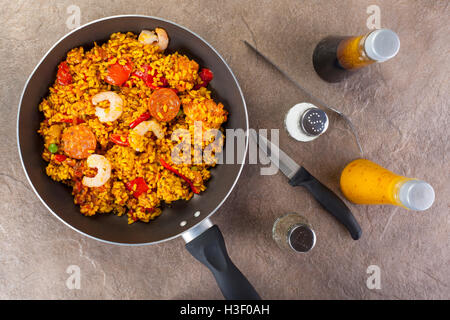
[292,232]
[305,122]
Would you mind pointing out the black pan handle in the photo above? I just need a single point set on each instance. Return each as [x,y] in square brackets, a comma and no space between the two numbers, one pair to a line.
[209,248]
[329,200]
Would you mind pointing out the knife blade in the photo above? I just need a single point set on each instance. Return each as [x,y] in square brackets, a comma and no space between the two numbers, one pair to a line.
[313,98]
[288,166]
[299,176]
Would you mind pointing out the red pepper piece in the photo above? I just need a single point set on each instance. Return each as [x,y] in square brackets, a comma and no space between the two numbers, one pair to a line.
[188,181]
[118,74]
[144,75]
[206,76]
[164,81]
[141,186]
[119,139]
[60,157]
[143,117]
[141,75]
[147,77]
[74,121]
[63,75]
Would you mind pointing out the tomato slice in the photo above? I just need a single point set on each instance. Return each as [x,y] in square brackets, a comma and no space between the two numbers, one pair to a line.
[63,75]
[60,157]
[138,186]
[118,74]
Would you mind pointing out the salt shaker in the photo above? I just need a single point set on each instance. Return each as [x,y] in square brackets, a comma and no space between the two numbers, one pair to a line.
[305,122]
[292,232]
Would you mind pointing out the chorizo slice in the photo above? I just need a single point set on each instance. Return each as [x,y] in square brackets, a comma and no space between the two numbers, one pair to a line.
[164,104]
[78,142]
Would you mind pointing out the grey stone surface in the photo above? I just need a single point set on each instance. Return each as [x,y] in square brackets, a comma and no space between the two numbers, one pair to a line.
[387,103]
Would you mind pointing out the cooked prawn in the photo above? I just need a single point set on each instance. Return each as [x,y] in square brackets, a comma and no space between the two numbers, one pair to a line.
[136,136]
[160,38]
[152,125]
[163,38]
[115,106]
[148,37]
[103,171]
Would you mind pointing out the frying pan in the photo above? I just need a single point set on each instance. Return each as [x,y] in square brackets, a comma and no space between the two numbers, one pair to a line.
[187,219]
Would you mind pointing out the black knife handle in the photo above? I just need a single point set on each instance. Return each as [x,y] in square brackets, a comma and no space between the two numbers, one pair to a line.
[328,199]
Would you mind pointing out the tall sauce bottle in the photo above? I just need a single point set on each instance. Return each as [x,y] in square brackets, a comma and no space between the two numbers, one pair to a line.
[336,58]
[365,182]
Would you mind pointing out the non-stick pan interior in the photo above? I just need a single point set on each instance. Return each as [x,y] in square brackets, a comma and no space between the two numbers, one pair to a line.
[109,227]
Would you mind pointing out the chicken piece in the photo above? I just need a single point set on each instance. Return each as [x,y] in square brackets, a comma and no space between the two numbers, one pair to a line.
[183,73]
[187,68]
[211,114]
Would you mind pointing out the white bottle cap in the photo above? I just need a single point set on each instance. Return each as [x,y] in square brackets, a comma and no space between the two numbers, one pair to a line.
[416,195]
[382,45]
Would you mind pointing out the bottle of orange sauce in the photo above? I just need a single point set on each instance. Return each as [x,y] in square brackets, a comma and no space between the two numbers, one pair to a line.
[365,182]
[336,58]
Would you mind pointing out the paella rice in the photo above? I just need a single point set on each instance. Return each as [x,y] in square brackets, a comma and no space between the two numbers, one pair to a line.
[109,122]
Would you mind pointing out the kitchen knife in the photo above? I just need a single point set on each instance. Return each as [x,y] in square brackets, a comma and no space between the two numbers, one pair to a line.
[299,176]
[313,98]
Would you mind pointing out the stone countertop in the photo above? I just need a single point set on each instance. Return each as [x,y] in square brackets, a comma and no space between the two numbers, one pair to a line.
[399,108]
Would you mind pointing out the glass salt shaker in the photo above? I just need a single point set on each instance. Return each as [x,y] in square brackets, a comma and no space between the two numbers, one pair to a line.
[293,232]
[305,122]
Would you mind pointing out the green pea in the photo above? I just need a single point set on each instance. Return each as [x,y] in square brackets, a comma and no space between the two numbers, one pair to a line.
[53,148]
